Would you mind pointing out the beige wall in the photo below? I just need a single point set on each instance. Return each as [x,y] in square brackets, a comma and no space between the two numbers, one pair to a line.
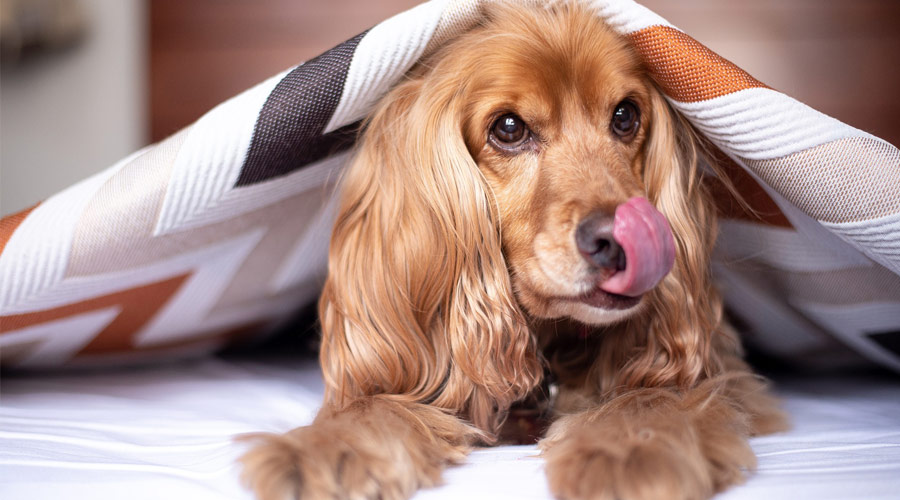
[67,115]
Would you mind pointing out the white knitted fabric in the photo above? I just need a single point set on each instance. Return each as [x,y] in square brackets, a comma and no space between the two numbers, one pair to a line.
[222,229]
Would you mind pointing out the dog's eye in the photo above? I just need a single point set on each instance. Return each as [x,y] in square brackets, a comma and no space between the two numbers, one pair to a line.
[626,119]
[509,131]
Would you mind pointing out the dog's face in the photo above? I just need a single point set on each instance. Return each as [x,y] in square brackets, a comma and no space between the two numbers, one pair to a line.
[557,122]
[520,172]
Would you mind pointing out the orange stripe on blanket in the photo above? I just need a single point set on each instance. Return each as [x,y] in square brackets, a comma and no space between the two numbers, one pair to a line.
[138,306]
[10,223]
[687,70]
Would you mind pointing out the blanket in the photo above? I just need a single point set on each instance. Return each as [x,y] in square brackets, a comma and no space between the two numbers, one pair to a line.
[220,232]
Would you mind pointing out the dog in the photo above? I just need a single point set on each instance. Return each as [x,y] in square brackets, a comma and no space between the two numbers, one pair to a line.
[525,205]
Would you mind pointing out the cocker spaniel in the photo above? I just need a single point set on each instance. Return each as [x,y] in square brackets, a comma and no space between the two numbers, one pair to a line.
[524,205]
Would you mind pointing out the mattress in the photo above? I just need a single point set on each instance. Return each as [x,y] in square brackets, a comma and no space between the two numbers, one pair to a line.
[168,432]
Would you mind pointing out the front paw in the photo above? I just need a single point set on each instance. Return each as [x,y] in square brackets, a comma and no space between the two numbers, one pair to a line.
[375,448]
[675,455]
[585,466]
[313,463]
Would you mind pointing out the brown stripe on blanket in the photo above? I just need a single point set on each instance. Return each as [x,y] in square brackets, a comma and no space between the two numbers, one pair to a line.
[686,69]
[138,306]
[10,223]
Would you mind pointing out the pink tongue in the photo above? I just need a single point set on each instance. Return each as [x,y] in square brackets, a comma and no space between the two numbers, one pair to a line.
[644,235]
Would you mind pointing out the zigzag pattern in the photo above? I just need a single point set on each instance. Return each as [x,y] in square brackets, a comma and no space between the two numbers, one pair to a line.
[224,226]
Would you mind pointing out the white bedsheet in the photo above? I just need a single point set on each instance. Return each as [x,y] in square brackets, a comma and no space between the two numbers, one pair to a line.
[166,432]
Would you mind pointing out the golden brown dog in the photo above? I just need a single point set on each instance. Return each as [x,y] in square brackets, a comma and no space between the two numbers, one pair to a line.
[525,203]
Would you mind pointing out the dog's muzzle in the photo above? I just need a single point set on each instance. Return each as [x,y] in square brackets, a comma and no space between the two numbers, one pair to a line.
[636,246]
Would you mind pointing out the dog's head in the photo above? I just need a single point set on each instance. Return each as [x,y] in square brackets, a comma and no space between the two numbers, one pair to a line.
[560,118]
[530,164]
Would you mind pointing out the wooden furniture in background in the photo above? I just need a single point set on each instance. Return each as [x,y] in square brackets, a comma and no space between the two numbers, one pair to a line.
[205,51]
[839,56]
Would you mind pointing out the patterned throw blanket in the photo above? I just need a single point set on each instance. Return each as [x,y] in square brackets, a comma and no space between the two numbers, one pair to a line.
[221,230]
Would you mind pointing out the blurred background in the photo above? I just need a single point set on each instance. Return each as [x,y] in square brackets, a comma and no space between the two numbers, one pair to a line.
[85,82]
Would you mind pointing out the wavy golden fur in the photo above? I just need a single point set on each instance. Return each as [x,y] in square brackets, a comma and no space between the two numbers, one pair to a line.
[455,283]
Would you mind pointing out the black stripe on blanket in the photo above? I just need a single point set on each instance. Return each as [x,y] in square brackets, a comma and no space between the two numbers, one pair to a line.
[288,131]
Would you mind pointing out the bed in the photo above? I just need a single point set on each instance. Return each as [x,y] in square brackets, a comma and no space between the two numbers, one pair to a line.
[168,432]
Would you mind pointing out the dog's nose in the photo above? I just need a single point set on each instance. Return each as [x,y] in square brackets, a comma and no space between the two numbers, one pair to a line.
[594,239]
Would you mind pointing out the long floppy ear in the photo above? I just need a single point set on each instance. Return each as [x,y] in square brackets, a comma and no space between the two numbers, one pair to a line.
[686,309]
[418,302]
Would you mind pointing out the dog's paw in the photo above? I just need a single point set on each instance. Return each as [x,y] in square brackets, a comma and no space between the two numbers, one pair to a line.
[272,466]
[581,467]
[374,449]
[671,460]
[308,463]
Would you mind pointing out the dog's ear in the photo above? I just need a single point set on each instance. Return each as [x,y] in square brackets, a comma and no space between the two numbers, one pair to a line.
[686,308]
[418,301]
